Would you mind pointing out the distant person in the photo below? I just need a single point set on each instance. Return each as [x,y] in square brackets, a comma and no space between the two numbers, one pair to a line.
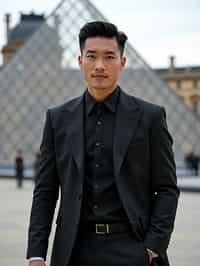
[192,160]
[110,156]
[19,168]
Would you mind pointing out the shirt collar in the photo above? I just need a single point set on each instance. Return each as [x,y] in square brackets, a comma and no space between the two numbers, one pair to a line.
[110,102]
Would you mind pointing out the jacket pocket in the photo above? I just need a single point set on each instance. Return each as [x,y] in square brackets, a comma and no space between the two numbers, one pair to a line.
[137,230]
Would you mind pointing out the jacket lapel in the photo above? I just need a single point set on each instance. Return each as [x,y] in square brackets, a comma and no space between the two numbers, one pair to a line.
[127,118]
[75,132]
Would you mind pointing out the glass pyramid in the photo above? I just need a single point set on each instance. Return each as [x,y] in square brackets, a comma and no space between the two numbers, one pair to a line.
[44,73]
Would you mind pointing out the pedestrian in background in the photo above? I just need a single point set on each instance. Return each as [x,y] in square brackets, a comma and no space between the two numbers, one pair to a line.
[19,168]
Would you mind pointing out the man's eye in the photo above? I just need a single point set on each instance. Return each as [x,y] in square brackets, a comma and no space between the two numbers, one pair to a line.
[90,56]
[110,57]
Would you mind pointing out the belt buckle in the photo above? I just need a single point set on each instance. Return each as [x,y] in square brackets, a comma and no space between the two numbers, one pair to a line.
[102,229]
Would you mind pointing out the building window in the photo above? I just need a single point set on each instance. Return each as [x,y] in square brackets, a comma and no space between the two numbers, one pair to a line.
[195,103]
[195,83]
[178,84]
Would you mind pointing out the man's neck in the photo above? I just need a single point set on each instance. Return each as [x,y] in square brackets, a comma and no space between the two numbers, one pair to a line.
[100,95]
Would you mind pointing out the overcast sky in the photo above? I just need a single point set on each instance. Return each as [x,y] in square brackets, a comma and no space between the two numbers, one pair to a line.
[155,28]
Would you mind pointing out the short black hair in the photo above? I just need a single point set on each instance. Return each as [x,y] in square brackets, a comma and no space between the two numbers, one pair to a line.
[102,29]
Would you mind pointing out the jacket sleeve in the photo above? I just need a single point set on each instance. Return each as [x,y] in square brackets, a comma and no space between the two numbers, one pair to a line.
[45,195]
[164,185]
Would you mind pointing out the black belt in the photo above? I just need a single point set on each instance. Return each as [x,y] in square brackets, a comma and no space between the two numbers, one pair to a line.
[102,229]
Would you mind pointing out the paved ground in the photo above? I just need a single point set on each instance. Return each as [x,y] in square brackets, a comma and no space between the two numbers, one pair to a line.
[189,183]
[14,215]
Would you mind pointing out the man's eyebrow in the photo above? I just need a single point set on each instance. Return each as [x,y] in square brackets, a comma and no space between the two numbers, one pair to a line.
[90,52]
[106,52]
[110,52]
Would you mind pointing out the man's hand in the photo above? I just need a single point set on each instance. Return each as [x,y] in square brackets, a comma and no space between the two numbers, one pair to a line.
[37,263]
[152,255]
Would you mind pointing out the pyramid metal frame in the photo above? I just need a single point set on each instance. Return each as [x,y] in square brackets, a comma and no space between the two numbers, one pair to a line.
[44,73]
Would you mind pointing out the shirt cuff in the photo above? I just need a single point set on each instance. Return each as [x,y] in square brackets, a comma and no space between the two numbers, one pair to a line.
[36,258]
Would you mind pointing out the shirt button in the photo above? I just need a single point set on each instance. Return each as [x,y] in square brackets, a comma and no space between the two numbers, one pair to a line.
[98,144]
[97,165]
[99,123]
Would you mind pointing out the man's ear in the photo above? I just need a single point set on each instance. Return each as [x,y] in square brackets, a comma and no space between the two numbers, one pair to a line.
[80,60]
[123,62]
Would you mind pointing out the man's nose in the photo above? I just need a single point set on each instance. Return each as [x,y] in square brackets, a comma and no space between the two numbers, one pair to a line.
[99,65]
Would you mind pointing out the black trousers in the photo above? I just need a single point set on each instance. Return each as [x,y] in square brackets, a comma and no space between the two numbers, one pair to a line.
[119,249]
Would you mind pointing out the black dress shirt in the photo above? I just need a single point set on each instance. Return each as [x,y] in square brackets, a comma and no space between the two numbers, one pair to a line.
[101,201]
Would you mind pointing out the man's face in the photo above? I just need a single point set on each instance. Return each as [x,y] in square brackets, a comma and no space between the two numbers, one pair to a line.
[101,63]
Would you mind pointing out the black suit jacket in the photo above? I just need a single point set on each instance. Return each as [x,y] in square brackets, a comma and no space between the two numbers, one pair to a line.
[144,170]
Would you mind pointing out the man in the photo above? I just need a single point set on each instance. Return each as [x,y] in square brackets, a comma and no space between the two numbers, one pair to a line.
[111,156]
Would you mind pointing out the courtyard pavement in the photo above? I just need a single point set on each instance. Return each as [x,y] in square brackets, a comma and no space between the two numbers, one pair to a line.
[15,204]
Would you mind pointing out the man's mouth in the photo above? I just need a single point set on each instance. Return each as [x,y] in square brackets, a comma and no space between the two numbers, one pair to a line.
[99,76]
